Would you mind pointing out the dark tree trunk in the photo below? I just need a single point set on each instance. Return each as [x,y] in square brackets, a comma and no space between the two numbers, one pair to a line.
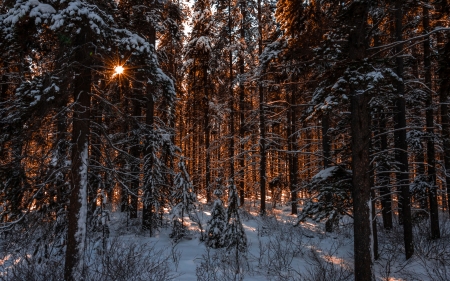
[326,144]
[4,83]
[401,154]
[293,155]
[207,131]
[360,128]
[95,180]
[432,192]
[419,153]
[262,125]
[123,160]
[77,213]
[326,152]
[147,210]
[135,152]
[373,211]
[383,179]
[361,187]
[241,109]
[444,88]
[231,102]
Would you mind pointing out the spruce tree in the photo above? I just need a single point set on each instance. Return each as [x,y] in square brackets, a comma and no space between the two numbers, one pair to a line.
[216,224]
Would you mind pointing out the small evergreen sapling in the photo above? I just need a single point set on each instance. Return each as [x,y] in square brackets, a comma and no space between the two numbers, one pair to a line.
[335,183]
[234,233]
[184,198]
[217,224]
[235,239]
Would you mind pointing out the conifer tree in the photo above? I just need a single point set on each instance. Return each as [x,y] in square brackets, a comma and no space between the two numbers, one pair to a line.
[216,225]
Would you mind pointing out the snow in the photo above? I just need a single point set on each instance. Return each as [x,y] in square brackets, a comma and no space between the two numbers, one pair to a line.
[326,173]
[80,235]
[277,250]
[33,8]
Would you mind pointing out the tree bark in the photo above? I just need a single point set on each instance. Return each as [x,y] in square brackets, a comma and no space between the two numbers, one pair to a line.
[293,154]
[326,147]
[77,213]
[360,128]
[134,151]
[401,155]
[383,179]
[207,131]
[147,211]
[429,116]
[231,101]
[241,109]
[444,88]
[361,187]
[262,126]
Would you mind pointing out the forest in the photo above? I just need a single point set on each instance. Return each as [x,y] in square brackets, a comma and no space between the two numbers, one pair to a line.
[224,140]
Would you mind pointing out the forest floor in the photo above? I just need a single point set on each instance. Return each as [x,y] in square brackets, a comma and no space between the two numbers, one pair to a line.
[276,251]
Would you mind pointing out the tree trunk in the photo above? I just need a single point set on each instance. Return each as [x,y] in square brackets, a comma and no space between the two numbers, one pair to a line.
[293,154]
[360,128]
[444,88]
[147,210]
[383,179]
[401,155]
[241,109]
[361,187]
[326,147]
[432,192]
[77,213]
[231,102]
[207,131]
[134,151]
[262,125]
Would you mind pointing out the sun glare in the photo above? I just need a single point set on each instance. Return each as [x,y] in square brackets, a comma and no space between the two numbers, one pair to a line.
[118,69]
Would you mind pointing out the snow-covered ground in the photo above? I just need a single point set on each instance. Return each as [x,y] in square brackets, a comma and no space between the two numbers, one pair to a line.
[276,251]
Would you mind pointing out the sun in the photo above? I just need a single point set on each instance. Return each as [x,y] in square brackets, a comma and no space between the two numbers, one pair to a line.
[118,69]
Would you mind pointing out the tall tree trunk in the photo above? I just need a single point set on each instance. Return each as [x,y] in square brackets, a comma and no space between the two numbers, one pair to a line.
[444,88]
[326,144]
[373,210]
[123,160]
[241,108]
[326,152]
[293,154]
[383,178]
[147,211]
[77,213]
[262,125]
[432,192]
[231,101]
[134,151]
[360,127]
[401,154]
[207,130]
[361,187]
[61,148]
[94,159]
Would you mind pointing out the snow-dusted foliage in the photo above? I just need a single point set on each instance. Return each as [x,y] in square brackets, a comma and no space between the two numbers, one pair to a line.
[184,200]
[216,225]
[330,199]
[234,235]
